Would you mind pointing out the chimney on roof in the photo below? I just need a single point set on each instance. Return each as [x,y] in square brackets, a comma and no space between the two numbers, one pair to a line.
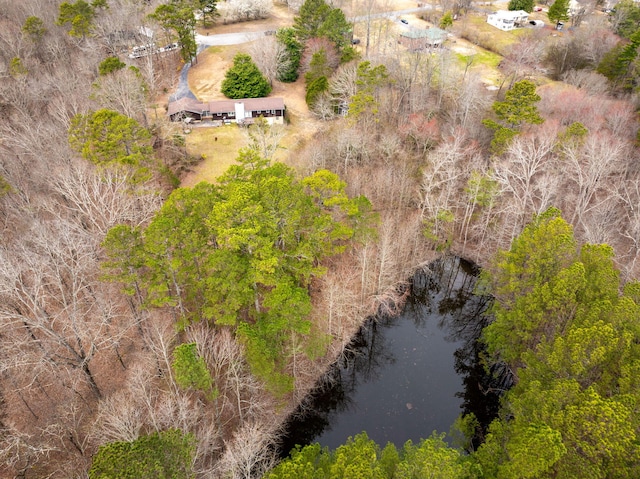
[239,111]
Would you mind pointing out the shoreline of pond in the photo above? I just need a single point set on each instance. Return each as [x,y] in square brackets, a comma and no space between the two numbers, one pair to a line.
[466,356]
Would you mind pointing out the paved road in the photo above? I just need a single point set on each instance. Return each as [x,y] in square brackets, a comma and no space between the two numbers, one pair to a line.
[238,38]
[395,13]
[183,89]
[228,38]
[204,41]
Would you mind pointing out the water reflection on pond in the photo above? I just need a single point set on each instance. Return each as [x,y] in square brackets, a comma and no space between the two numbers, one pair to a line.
[406,376]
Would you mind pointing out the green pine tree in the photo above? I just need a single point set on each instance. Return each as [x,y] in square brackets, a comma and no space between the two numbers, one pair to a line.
[178,16]
[166,454]
[287,36]
[519,107]
[244,79]
[526,5]
[559,11]
[79,16]
[108,138]
[110,65]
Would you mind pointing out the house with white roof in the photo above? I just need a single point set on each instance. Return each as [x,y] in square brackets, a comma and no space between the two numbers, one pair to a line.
[508,19]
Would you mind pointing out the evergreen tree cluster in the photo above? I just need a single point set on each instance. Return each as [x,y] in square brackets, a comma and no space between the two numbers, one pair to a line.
[178,16]
[287,36]
[526,5]
[244,79]
[361,457]
[109,139]
[518,108]
[317,19]
[241,254]
[166,454]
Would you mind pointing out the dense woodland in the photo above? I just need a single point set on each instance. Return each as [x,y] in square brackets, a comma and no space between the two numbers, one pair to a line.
[156,331]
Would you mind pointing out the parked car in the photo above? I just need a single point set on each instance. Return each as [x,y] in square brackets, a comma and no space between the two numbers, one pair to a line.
[402,20]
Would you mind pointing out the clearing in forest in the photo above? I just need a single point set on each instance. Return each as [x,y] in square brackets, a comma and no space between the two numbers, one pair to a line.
[205,79]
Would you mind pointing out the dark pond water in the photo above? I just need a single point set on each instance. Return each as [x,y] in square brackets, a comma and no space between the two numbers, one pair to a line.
[404,377]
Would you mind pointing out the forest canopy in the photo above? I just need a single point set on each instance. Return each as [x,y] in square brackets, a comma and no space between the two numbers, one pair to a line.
[241,253]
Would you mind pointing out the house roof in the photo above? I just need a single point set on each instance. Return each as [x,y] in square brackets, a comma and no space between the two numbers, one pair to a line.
[223,106]
[430,33]
[185,104]
[510,13]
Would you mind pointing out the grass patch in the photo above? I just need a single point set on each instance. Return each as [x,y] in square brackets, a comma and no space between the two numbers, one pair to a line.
[218,146]
[482,57]
[487,58]
[476,29]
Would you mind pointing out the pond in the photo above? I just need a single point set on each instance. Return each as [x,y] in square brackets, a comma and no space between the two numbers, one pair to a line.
[403,377]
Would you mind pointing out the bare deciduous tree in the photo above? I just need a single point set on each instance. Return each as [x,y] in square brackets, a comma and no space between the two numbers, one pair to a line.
[593,167]
[525,173]
[441,176]
[50,298]
[265,138]
[317,45]
[271,57]
[123,91]
[99,200]
[243,10]
[524,56]
[629,196]
[590,81]
[324,107]
[246,454]
[343,83]
[20,451]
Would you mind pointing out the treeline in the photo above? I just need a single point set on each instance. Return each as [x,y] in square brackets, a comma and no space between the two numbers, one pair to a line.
[568,331]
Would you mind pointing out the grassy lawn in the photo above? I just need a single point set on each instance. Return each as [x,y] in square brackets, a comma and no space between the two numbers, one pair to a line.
[481,57]
[204,81]
[218,154]
[476,29]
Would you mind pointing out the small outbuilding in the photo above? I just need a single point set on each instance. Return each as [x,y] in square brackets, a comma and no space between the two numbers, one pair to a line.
[419,39]
[508,19]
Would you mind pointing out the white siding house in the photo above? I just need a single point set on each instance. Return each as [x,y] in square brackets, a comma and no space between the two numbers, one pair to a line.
[508,20]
